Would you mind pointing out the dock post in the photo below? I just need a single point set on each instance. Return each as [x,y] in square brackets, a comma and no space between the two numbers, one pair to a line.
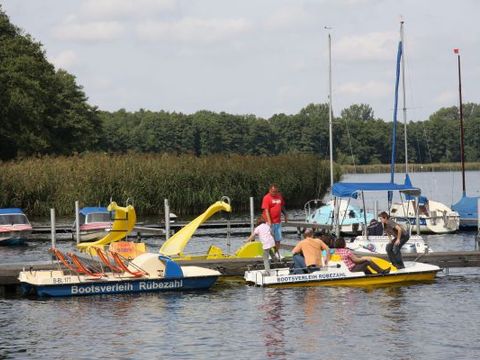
[375,209]
[477,238]
[77,221]
[417,214]
[251,215]
[167,220]
[53,228]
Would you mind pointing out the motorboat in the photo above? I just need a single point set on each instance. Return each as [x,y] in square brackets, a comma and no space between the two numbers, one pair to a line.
[433,216]
[376,244]
[336,273]
[352,219]
[95,223]
[146,273]
[119,226]
[14,226]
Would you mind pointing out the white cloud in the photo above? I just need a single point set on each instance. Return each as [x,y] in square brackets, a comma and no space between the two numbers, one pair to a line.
[373,89]
[114,9]
[286,17]
[96,31]
[447,97]
[191,29]
[65,59]
[372,46]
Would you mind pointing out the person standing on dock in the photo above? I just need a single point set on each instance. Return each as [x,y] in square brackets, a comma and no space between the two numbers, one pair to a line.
[398,236]
[273,207]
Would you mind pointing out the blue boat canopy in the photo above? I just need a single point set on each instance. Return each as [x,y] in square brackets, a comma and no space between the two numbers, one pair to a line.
[467,207]
[11,211]
[88,210]
[352,190]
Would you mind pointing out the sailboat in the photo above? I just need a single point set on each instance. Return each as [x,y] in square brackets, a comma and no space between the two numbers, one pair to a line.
[372,242]
[350,217]
[428,216]
[467,206]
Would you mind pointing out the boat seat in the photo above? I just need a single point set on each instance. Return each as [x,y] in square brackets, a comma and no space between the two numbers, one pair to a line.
[103,256]
[119,262]
[82,268]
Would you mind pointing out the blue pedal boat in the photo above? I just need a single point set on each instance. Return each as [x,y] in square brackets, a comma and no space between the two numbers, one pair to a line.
[146,273]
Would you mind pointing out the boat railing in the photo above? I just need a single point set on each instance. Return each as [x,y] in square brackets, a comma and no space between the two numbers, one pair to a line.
[315,204]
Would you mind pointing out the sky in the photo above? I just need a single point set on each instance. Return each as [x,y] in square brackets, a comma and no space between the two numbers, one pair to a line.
[259,57]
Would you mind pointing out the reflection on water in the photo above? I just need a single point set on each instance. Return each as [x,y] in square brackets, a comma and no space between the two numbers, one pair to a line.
[273,331]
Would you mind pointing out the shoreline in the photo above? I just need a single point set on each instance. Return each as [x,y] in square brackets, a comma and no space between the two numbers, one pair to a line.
[400,168]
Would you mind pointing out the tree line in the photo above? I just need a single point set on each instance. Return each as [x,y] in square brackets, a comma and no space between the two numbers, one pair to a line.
[44,111]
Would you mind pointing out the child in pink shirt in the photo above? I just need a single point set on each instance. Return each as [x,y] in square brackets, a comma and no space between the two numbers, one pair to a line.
[264,234]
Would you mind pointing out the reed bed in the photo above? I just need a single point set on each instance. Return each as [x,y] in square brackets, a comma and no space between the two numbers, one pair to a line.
[385,168]
[190,183]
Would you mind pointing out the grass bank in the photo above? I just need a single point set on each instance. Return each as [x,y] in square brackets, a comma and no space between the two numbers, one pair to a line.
[190,183]
[385,168]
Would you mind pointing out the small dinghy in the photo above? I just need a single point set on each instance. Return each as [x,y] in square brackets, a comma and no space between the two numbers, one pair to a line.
[146,273]
[337,274]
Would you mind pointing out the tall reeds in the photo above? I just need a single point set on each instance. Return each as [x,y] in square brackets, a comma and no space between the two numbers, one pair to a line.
[190,183]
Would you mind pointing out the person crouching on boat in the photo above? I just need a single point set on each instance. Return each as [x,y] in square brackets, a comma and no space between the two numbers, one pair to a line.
[307,255]
[355,263]
[262,230]
[398,237]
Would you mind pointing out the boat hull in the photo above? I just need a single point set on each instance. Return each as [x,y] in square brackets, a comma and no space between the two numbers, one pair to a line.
[372,245]
[93,235]
[98,287]
[341,276]
[434,218]
[14,237]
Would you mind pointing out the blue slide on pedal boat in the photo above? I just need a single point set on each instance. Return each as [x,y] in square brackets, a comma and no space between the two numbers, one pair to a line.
[336,273]
[146,273]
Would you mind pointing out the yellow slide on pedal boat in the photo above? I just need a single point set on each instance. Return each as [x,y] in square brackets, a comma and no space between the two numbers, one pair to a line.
[123,224]
[175,245]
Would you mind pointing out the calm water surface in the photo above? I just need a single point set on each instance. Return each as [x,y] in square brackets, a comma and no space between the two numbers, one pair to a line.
[436,320]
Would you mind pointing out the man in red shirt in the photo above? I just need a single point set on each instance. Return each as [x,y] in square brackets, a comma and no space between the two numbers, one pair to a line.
[273,206]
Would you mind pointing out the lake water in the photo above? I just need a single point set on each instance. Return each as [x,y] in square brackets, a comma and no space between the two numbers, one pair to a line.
[436,320]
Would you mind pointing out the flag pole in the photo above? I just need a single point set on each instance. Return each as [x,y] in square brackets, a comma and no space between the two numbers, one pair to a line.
[462,145]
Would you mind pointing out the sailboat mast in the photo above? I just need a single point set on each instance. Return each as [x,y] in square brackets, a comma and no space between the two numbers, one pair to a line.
[330,107]
[462,145]
[404,97]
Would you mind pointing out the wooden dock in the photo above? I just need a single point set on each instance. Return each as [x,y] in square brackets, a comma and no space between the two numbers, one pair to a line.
[237,267]
[65,232]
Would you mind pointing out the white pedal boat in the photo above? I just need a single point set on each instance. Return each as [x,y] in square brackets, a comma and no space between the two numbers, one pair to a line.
[146,273]
[337,274]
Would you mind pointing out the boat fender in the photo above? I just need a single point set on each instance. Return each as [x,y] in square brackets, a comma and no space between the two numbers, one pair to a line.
[172,269]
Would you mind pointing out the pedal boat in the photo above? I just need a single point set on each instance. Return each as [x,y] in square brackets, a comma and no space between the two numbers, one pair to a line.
[146,273]
[337,274]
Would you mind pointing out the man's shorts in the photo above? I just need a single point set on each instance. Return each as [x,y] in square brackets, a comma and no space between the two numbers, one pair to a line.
[277,232]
